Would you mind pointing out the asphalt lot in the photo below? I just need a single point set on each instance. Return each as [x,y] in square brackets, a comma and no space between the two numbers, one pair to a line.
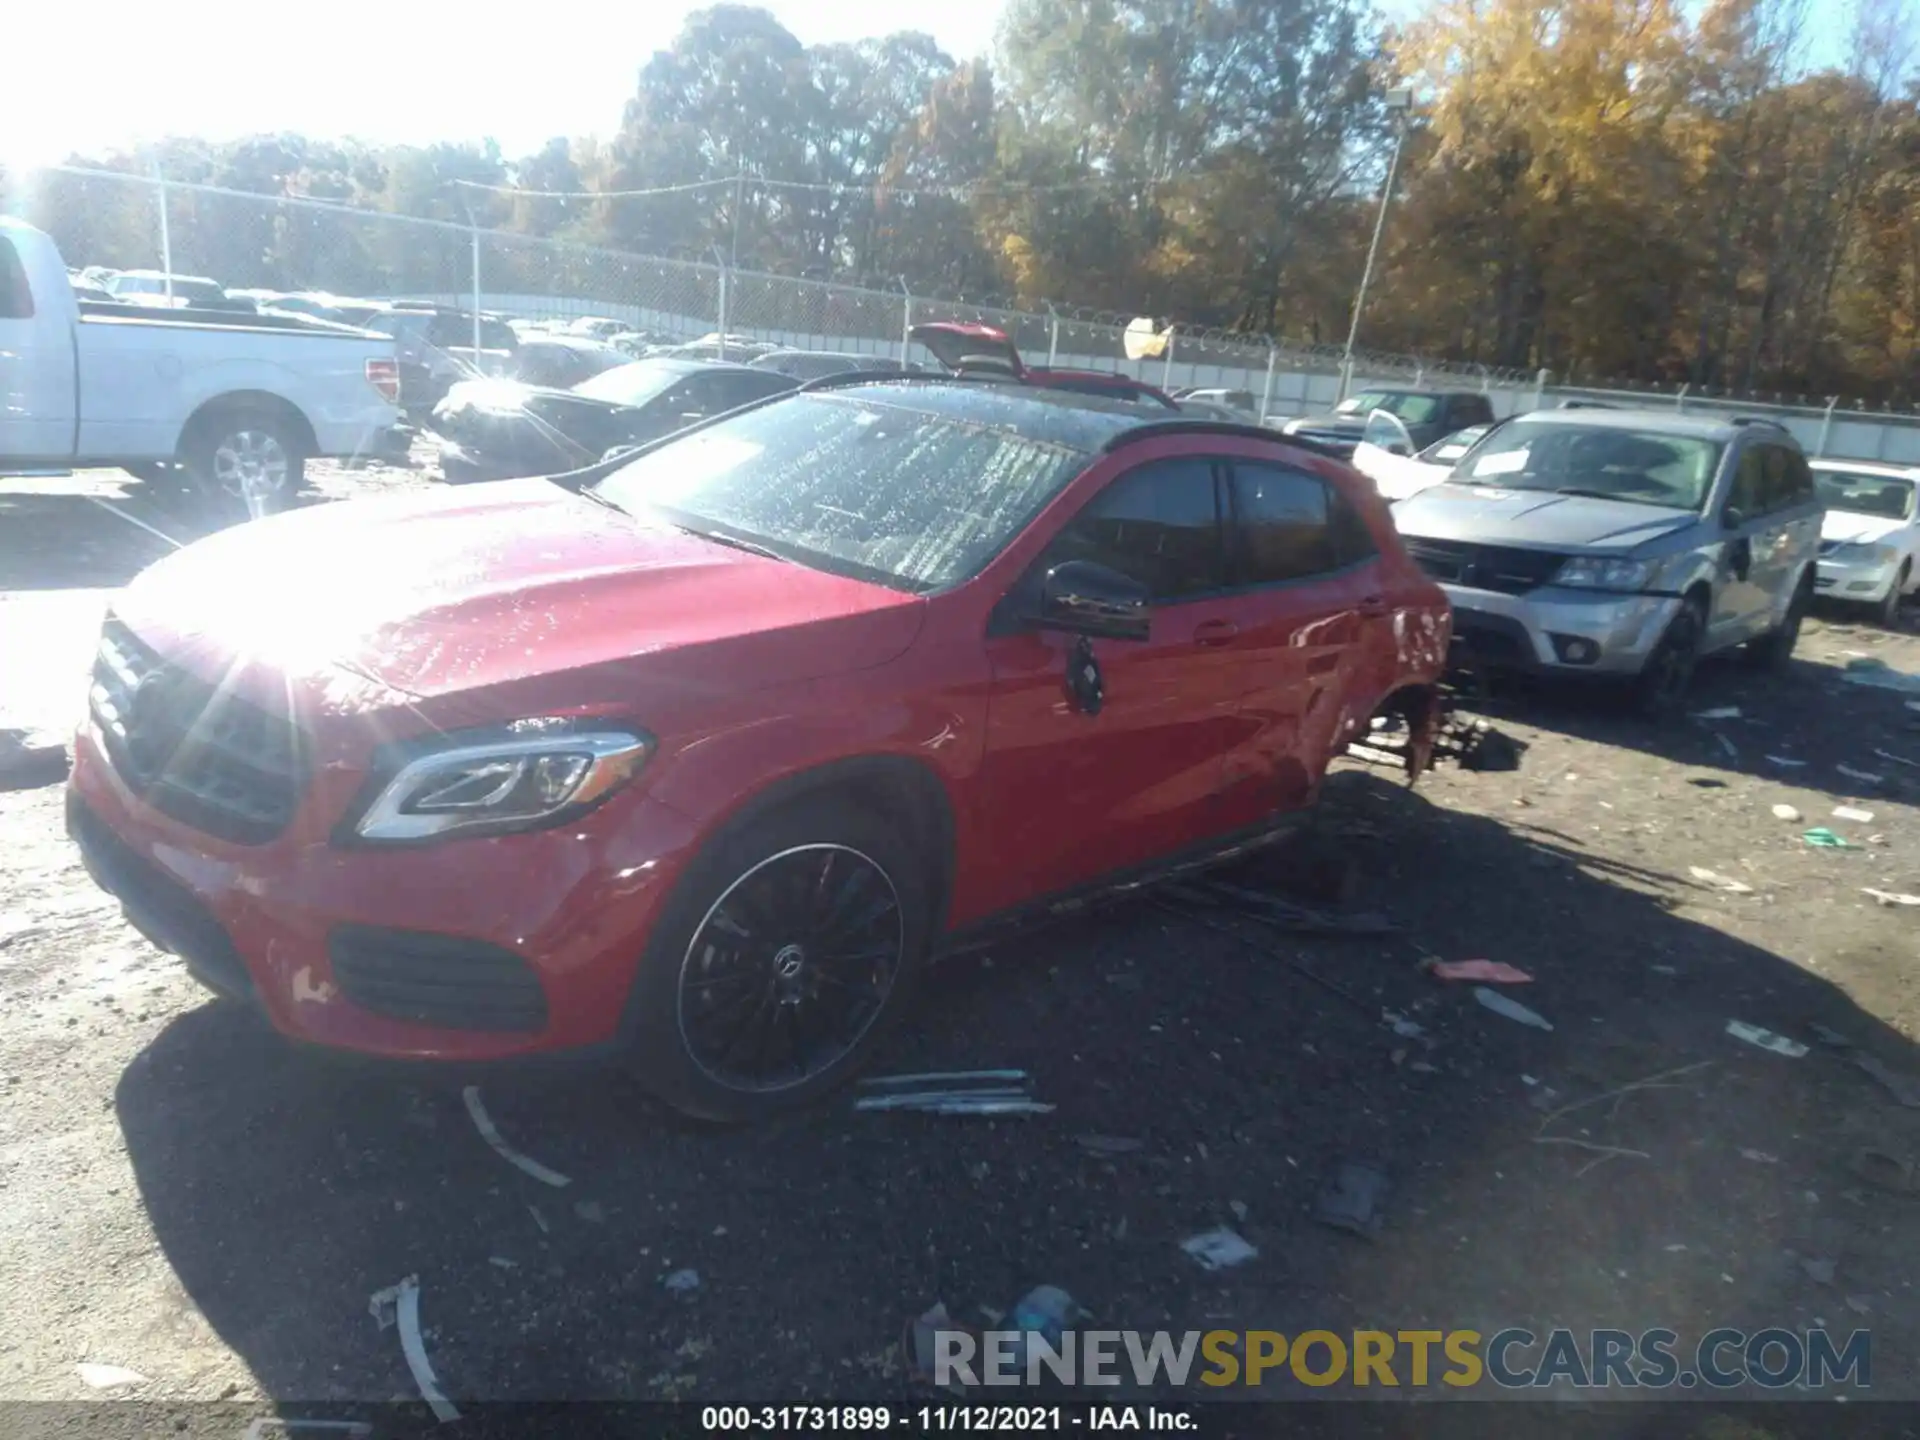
[184,1196]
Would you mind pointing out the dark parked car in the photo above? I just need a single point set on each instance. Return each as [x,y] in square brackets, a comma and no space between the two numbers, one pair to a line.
[493,430]
[1428,415]
[562,361]
[699,769]
[435,350]
[818,364]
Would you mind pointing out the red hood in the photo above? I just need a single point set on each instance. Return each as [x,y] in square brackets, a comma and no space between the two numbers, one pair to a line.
[478,594]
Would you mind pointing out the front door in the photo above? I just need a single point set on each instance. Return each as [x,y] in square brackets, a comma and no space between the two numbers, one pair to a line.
[1738,600]
[1073,796]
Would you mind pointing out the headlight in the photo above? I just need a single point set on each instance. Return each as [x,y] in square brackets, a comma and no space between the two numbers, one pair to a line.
[530,774]
[1863,554]
[1597,572]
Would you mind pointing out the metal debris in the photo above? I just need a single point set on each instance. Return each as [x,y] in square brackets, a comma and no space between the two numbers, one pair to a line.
[414,1348]
[1865,777]
[1897,759]
[1716,881]
[1785,763]
[954,1092]
[881,1082]
[1500,1005]
[1765,1039]
[523,1163]
[1219,1249]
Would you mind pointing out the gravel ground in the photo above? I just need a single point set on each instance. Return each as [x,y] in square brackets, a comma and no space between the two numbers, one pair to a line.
[183,1196]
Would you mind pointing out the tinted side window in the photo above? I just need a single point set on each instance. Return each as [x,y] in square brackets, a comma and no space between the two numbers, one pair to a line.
[1159,524]
[1352,540]
[1797,488]
[1472,410]
[1285,525]
[1749,495]
[16,299]
[730,390]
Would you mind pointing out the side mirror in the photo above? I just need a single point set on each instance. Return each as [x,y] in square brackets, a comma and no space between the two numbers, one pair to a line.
[1732,519]
[1083,598]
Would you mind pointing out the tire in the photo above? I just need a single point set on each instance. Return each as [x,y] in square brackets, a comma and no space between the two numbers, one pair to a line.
[1886,614]
[706,979]
[244,461]
[1773,649]
[1660,689]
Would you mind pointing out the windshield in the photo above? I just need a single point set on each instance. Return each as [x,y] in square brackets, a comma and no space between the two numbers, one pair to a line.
[1643,467]
[856,485]
[633,384]
[1887,496]
[1414,409]
[1447,451]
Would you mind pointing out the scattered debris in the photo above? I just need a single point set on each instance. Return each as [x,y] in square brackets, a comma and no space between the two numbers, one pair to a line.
[953,1092]
[1880,676]
[1219,1249]
[1785,763]
[1827,1036]
[1279,913]
[920,1340]
[1759,1157]
[1785,812]
[1888,897]
[1849,812]
[1494,972]
[1897,759]
[1885,1171]
[483,1122]
[1109,1144]
[384,1305]
[682,1282]
[1865,777]
[503,1262]
[1822,838]
[1352,1200]
[415,1350]
[1765,1039]
[109,1377]
[1044,1311]
[1724,712]
[590,1211]
[1859,1304]
[539,1219]
[1713,880]
[1733,751]
[1406,1029]
[941,1077]
[1500,1005]
[1818,1271]
[1903,1087]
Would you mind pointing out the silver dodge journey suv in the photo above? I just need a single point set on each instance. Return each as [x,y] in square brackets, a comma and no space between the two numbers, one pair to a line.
[1622,543]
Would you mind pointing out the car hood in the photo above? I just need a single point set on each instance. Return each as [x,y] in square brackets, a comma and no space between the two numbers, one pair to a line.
[1347,426]
[1397,477]
[1489,516]
[1849,527]
[480,594]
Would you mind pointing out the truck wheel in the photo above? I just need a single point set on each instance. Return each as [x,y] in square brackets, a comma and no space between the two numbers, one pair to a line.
[781,957]
[1660,689]
[244,462]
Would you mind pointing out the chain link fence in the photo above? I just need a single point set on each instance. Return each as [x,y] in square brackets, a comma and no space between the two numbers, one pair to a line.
[255,242]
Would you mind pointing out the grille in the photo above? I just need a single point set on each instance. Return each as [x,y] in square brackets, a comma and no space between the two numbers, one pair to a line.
[209,760]
[1500,568]
[430,979]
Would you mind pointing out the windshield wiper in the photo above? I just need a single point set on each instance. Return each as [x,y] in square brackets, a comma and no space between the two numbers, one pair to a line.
[592,492]
[752,547]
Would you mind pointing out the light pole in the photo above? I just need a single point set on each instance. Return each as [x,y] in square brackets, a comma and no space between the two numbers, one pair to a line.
[1399,103]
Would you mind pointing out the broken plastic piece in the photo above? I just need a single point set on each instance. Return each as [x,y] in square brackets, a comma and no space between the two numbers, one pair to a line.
[877,1082]
[1785,763]
[1494,972]
[523,1163]
[1888,897]
[1765,1039]
[1785,812]
[921,1339]
[1352,1200]
[414,1348]
[1822,838]
[1500,1005]
[1849,812]
[1219,1249]
[1865,777]
[109,1377]
[682,1282]
[1724,712]
[1109,1144]
[1717,881]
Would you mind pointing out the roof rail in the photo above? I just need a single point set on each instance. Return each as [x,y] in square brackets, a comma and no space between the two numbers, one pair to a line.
[872,377]
[1764,420]
[1201,425]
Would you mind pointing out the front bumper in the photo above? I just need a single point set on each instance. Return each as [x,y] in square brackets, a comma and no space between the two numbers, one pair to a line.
[468,950]
[1866,582]
[1545,629]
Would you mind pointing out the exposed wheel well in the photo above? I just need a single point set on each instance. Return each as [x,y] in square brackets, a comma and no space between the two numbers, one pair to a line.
[904,792]
[299,428]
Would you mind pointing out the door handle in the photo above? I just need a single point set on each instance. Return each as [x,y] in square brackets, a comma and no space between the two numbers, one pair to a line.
[1214,632]
[1373,606]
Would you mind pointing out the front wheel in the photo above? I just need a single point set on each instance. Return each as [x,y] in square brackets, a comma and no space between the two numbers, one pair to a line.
[1887,612]
[245,462]
[1660,689]
[778,962]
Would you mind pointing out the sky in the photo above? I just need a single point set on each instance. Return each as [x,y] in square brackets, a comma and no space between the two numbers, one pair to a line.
[114,72]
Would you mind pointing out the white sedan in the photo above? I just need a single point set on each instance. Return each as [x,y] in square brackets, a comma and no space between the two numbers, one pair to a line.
[1870,540]
[1385,456]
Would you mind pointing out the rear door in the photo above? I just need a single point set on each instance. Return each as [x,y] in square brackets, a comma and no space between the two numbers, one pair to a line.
[1795,513]
[1076,795]
[1738,601]
[36,371]
[1305,571]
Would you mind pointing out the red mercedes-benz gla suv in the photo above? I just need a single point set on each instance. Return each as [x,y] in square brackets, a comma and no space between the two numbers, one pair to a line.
[699,756]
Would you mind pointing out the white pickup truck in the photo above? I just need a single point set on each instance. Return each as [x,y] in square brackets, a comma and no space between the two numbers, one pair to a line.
[236,402]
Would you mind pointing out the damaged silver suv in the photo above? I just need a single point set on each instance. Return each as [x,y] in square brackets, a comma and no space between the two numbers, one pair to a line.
[1622,543]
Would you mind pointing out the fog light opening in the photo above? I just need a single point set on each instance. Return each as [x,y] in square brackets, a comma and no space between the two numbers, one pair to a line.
[1575,649]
